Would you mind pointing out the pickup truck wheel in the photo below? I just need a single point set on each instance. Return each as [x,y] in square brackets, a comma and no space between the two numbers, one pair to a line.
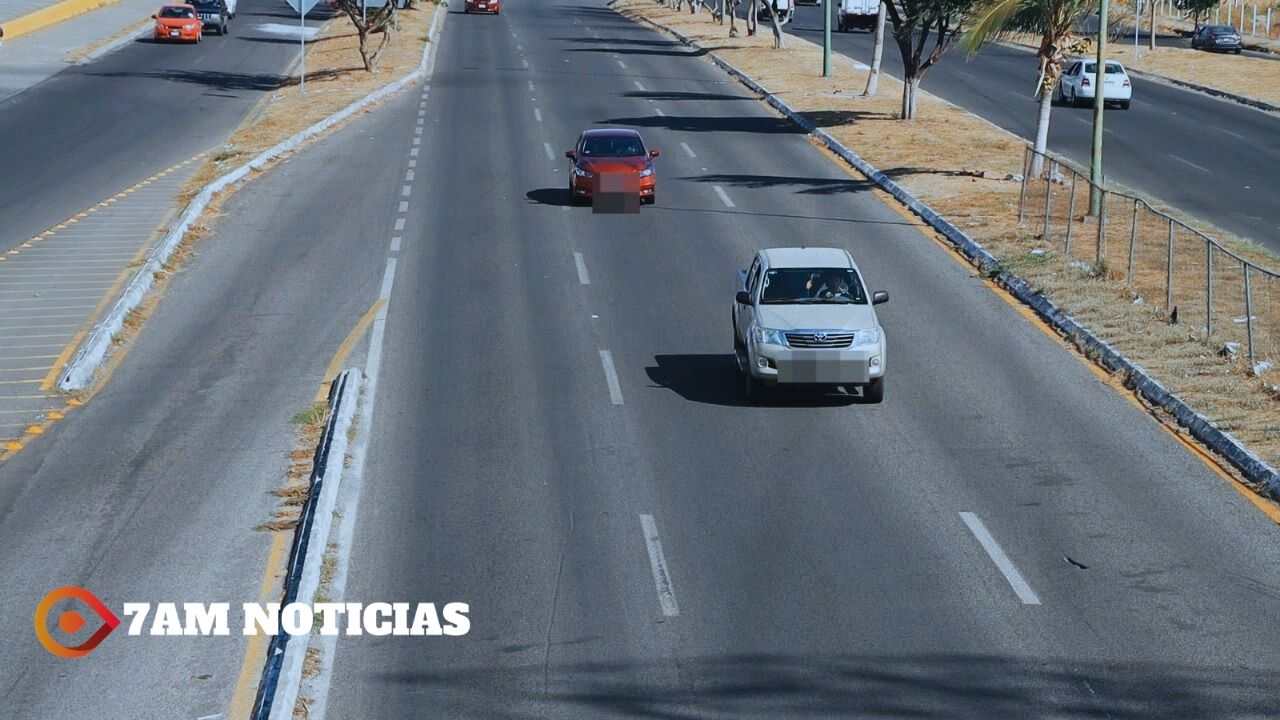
[873,392]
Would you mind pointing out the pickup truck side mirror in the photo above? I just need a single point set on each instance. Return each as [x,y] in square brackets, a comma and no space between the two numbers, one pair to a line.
[879,297]
[571,154]
[743,297]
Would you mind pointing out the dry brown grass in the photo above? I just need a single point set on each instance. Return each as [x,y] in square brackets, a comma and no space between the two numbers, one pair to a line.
[939,158]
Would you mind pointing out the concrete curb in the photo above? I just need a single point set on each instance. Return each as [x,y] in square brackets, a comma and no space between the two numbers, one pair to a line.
[78,374]
[282,672]
[1265,478]
[52,15]
[1213,92]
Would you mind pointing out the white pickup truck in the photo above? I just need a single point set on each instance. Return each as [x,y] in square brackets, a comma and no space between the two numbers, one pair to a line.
[802,316]
[857,14]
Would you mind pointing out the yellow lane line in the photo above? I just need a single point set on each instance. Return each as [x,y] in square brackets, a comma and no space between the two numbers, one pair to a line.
[345,349]
[255,651]
[63,357]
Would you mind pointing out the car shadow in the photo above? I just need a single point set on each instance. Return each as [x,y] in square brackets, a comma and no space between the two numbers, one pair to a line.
[558,197]
[714,379]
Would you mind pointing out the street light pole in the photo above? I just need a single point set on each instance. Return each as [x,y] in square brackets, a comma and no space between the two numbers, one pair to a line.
[1099,97]
[826,38]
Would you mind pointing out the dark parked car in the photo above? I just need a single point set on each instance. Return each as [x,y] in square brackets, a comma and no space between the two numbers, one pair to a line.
[1222,38]
[214,15]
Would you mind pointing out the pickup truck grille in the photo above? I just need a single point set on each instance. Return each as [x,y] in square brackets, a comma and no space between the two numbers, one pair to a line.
[819,339]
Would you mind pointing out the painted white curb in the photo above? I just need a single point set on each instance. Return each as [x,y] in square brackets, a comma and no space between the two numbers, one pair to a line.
[78,374]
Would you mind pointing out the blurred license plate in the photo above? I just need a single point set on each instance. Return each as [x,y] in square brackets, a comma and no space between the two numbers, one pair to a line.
[174,33]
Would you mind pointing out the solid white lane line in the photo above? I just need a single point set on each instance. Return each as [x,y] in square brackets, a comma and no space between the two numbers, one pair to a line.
[582,268]
[658,564]
[537,114]
[404,206]
[621,64]
[723,197]
[659,111]
[406,190]
[399,223]
[688,150]
[638,85]
[1198,167]
[551,154]
[611,377]
[408,176]
[1002,561]
[395,244]
[388,277]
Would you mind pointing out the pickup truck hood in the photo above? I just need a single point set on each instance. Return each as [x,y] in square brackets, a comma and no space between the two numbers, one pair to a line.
[816,317]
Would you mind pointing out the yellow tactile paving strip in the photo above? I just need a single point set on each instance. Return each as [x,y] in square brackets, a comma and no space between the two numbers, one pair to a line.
[55,286]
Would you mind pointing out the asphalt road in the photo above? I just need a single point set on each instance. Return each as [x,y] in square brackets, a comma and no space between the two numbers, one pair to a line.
[152,492]
[1214,159]
[814,555]
[95,129]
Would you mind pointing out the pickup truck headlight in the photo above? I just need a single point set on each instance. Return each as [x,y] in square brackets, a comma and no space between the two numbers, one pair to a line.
[646,172]
[866,337]
[766,336]
[580,172]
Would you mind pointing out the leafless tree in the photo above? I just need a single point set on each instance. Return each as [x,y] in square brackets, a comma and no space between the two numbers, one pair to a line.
[370,21]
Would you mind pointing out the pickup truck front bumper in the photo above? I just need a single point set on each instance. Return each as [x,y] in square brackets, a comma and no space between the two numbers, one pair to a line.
[777,364]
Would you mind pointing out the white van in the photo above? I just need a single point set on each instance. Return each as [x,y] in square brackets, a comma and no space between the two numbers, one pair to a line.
[857,14]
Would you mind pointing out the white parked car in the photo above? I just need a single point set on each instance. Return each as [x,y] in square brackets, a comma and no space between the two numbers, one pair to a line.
[1077,84]
[803,316]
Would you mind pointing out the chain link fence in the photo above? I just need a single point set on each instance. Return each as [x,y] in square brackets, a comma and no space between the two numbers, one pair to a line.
[1223,296]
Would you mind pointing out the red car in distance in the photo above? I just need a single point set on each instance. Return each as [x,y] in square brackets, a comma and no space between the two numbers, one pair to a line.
[484,6]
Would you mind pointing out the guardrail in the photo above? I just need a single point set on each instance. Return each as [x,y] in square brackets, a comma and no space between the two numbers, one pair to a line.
[1201,283]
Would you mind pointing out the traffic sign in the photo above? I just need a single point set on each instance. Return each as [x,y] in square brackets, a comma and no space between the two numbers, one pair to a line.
[302,7]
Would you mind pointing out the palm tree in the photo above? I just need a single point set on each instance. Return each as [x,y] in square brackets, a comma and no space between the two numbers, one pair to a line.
[1054,21]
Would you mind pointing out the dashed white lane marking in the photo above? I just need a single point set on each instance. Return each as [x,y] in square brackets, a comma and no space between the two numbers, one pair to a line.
[404,206]
[638,85]
[611,377]
[659,111]
[413,152]
[621,64]
[1220,129]
[581,263]
[408,176]
[417,140]
[406,190]
[723,197]
[658,564]
[395,244]
[399,223]
[551,154]
[687,150]
[530,86]
[1188,162]
[537,114]
[519,47]
[413,163]
[1002,561]
[422,113]
[524,62]
[417,130]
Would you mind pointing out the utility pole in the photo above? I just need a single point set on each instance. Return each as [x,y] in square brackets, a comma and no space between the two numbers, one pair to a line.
[826,38]
[1099,96]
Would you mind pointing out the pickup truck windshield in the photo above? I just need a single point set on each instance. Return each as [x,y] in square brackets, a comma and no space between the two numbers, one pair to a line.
[812,286]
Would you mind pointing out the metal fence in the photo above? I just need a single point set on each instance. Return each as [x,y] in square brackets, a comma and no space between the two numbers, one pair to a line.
[1197,282]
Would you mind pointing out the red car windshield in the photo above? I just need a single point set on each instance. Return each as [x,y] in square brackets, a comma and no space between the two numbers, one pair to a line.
[176,12]
[612,146]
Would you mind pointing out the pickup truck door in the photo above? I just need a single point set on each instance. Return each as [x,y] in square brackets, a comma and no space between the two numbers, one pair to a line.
[748,280]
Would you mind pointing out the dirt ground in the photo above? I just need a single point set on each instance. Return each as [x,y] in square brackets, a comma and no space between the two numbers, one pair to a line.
[958,164]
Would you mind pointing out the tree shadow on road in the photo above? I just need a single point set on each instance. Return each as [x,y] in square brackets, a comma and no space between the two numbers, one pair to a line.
[921,686]
[804,185]
[651,95]
[706,123]
[262,82]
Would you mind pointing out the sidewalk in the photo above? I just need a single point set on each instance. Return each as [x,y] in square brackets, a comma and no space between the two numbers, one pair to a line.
[33,58]
[12,9]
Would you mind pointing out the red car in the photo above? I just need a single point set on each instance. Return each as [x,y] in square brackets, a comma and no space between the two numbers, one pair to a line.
[611,150]
[178,22]
[484,6]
